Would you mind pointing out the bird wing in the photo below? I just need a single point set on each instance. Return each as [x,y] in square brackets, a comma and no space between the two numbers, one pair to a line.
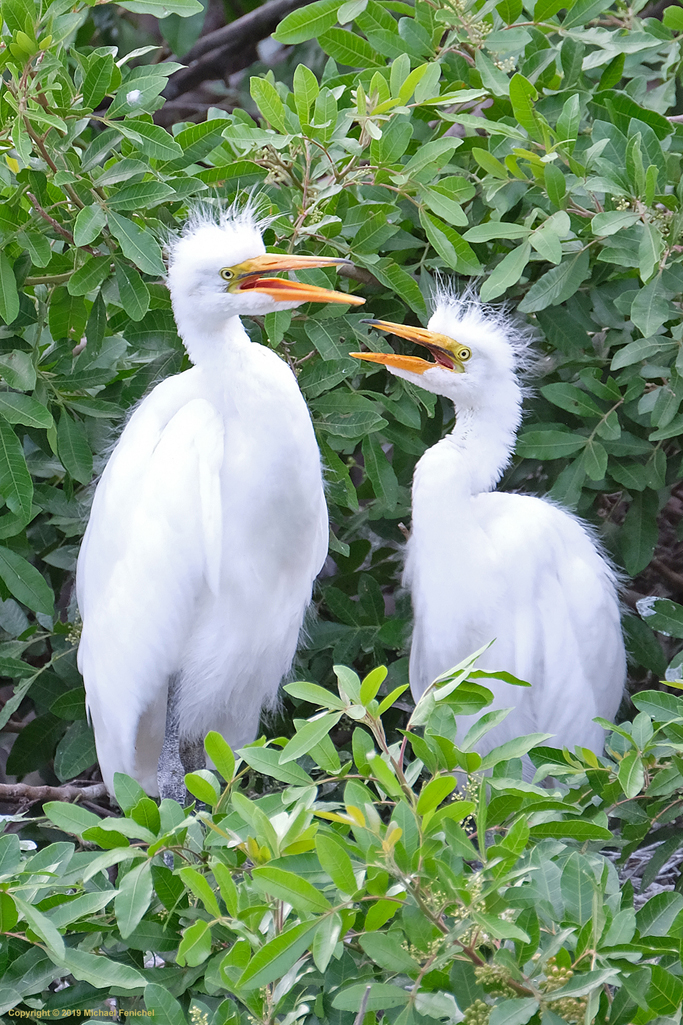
[152,544]
[563,628]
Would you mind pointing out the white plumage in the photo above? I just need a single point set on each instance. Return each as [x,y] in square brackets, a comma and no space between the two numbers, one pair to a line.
[209,524]
[483,564]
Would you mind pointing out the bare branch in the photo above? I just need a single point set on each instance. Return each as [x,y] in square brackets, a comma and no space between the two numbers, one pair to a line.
[229,49]
[24,793]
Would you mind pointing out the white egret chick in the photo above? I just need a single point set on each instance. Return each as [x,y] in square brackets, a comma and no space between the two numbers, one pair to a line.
[208,526]
[484,564]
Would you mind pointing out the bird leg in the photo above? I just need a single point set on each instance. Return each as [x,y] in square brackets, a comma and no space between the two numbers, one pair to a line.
[170,768]
[192,755]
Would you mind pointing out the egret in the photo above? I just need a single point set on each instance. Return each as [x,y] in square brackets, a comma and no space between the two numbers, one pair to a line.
[484,564]
[209,524]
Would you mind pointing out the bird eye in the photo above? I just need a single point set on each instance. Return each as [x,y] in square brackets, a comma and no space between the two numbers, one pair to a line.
[464,354]
[227,274]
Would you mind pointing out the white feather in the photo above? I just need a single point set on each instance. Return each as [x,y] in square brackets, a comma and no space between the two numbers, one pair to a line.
[207,530]
[483,564]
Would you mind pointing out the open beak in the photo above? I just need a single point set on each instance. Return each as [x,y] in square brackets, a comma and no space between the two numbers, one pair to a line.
[250,279]
[440,346]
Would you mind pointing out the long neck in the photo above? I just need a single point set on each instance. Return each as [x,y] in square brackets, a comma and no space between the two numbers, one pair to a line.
[467,462]
[483,439]
[218,339]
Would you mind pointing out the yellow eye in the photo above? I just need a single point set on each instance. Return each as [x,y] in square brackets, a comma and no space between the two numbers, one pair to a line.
[227,274]
[464,354]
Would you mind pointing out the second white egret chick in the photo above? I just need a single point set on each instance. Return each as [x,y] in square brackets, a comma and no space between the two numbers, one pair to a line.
[209,524]
[484,564]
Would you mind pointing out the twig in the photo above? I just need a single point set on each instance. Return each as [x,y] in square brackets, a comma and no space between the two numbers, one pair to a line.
[357,274]
[50,220]
[25,792]
[671,575]
[358,1020]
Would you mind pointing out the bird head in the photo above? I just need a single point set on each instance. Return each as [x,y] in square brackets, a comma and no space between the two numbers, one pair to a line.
[221,269]
[473,352]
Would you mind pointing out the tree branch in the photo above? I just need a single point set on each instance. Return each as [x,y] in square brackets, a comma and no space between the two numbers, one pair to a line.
[23,792]
[230,48]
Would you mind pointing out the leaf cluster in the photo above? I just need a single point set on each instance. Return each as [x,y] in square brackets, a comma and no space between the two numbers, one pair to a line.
[363,880]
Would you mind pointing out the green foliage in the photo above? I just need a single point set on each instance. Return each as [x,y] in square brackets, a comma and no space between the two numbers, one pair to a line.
[526,144]
[519,143]
[374,878]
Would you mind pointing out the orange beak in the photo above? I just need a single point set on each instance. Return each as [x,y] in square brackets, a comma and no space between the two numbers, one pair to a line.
[441,347]
[248,277]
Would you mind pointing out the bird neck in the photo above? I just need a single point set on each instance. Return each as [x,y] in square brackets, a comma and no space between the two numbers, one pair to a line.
[215,341]
[471,459]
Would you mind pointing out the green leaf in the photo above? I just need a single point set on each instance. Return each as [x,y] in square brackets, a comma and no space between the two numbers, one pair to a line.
[663,615]
[382,995]
[8,913]
[656,917]
[291,888]
[568,122]
[613,221]
[41,925]
[451,247]
[571,398]
[162,8]
[558,284]
[310,734]
[308,23]
[16,485]
[153,140]
[203,785]
[373,234]
[75,751]
[99,971]
[22,409]
[133,898]
[138,244]
[673,19]
[434,792]
[506,273]
[162,1005]
[220,753]
[88,224]
[74,450]
[651,307]
[17,369]
[572,828]
[199,885]
[25,582]
[267,98]
[336,862]
[267,761]
[388,952]
[277,956]
[306,89]
[89,275]
[9,296]
[349,49]
[132,290]
[142,194]
[70,817]
[522,95]
[639,533]
[380,472]
[128,791]
[542,443]
[195,945]
[665,992]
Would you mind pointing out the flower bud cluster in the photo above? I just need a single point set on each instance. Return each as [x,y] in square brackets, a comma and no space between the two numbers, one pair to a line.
[477,1014]
[494,980]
